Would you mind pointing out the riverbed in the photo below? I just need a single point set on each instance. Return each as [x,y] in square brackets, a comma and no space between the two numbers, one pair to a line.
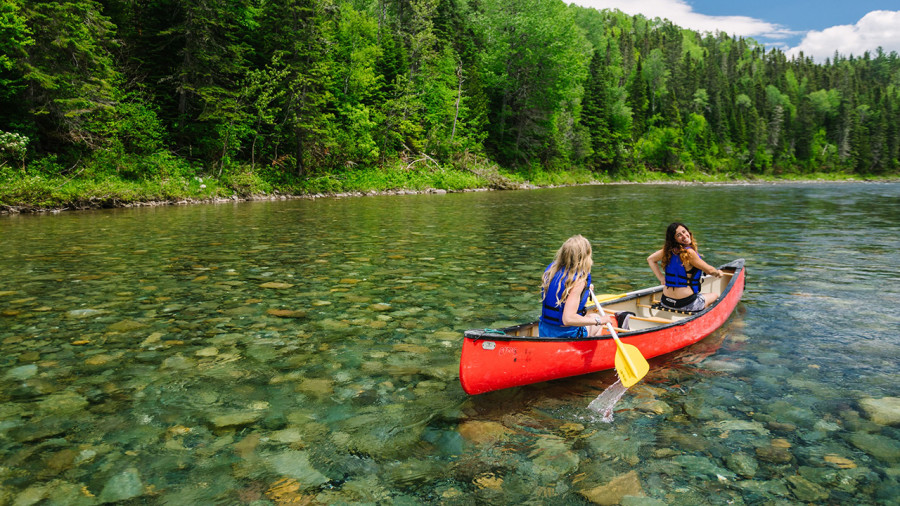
[307,351]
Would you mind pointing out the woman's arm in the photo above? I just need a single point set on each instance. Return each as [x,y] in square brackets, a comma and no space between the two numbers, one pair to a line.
[570,316]
[698,262]
[654,260]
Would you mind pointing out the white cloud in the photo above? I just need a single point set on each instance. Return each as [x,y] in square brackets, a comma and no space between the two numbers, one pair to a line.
[877,28]
[683,15]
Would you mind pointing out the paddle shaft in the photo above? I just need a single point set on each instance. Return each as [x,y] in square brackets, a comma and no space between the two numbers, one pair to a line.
[621,295]
[615,336]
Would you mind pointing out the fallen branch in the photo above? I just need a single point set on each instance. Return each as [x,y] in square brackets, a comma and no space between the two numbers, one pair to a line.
[73,175]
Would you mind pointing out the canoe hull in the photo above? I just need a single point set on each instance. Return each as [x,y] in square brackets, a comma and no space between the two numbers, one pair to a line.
[489,363]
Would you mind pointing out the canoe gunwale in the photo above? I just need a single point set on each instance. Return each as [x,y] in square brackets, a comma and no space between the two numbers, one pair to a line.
[495,334]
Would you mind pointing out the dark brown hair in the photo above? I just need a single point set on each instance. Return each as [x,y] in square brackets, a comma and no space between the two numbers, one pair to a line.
[673,247]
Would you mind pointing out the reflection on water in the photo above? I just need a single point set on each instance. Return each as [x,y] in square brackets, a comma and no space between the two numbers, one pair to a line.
[307,351]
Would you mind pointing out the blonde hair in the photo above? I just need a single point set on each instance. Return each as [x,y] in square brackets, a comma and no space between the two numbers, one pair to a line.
[573,258]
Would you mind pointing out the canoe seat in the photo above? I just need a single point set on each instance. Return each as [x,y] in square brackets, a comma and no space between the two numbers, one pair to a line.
[641,323]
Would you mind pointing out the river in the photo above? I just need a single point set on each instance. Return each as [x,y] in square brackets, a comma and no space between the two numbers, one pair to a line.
[306,352]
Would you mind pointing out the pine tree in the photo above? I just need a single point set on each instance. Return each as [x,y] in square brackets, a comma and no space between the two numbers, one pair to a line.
[638,93]
[69,74]
[15,38]
[300,34]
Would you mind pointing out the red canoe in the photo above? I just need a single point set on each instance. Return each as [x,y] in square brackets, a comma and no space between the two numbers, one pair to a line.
[493,359]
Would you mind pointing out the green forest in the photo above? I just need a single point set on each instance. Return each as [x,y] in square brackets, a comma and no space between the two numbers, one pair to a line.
[106,102]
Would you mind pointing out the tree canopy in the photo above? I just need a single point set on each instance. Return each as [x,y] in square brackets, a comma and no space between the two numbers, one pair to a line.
[290,88]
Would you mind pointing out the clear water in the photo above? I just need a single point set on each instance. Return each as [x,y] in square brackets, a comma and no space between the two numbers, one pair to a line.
[307,352]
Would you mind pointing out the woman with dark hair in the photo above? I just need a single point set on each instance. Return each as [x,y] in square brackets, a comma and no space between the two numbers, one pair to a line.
[681,270]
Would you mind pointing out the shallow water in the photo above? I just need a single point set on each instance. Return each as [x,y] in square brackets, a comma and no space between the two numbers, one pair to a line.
[270,352]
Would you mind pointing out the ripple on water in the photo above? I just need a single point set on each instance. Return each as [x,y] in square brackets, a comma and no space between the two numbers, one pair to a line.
[239,354]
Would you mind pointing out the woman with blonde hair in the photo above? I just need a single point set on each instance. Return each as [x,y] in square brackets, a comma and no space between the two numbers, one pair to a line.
[681,271]
[565,288]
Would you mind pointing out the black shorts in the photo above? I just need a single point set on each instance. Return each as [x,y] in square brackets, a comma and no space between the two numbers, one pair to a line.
[694,302]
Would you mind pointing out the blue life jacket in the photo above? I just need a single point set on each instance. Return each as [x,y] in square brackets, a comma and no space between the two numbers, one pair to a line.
[550,312]
[677,276]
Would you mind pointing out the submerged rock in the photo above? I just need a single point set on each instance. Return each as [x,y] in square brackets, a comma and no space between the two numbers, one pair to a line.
[878,446]
[84,313]
[101,359]
[409,472]
[616,490]
[805,490]
[52,492]
[123,486]
[728,366]
[764,488]
[620,446]
[210,351]
[883,411]
[774,454]
[742,464]
[295,464]
[701,466]
[482,432]
[651,405]
[786,412]
[60,461]
[177,362]
[316,386]
[276,285]
[126,326]
[381,434]
[287,313]
[735,425]
[552,458]
[22,372]
[839,462]
[236,419]
[63,403]
[287,436]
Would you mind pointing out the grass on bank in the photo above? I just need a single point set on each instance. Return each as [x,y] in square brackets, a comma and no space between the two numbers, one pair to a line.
[45,186]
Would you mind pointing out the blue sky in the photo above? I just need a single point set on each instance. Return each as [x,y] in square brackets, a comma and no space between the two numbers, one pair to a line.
[817,28]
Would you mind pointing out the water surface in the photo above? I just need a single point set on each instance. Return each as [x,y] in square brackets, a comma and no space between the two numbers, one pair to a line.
[307,351]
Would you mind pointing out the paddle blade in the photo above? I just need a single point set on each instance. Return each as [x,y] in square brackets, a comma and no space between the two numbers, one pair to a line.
[632,368]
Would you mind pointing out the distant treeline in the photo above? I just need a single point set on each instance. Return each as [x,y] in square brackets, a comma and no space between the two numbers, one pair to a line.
[288,88]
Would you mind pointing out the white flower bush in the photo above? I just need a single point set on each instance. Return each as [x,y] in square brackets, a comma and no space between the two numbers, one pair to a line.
[13,146]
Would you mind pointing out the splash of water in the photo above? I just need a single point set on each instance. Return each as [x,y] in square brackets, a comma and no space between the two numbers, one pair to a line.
[605,402]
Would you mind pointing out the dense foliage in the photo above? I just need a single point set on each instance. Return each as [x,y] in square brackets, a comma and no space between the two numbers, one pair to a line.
[281,90]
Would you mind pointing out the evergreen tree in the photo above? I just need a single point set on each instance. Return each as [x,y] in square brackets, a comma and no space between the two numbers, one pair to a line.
[69,75]
[15,38]
[300,38]
[638,100]
[603,114]
[533,64]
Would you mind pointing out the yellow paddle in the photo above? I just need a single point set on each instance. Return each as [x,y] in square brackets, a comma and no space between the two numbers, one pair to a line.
[610,296]
[630,364]
[604,297]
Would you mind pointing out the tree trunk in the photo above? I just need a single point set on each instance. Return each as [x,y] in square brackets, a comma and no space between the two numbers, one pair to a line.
[458,97]
[298,161]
